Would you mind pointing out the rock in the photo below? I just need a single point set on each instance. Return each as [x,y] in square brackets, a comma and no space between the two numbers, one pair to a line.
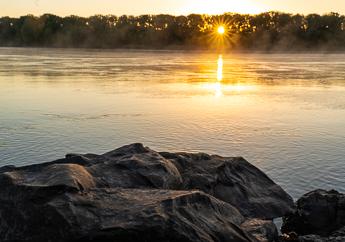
[317,238]
[290,237]
[235,181]
[136,194]
[340,233]
[114,169]
[262,230]
[144,166]
[311,238]
[117,215]
[318,212]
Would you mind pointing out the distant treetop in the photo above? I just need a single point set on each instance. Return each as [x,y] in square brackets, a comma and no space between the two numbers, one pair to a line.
[265,31]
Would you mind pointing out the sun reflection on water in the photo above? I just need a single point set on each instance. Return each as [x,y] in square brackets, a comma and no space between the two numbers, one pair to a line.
[220,68]
[218,85]
[219,88]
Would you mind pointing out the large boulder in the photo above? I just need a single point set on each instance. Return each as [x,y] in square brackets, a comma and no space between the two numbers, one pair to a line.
[318,212]
[136,194]
[235,181]
[38,214]
[132,166]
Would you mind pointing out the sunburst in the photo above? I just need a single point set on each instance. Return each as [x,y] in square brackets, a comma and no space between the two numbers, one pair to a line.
[221,30]
[220,34]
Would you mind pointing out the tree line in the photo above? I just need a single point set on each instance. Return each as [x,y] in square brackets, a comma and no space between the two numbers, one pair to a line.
[265,31]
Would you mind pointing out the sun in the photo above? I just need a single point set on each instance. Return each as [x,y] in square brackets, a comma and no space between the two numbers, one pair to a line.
[218,31]
[221,30]
[220,34]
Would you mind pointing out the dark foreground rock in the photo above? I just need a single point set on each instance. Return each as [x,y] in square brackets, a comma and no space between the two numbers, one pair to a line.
[120,215]
[136,194]
[320,216]
[337,236]
[262,230]
[235,181]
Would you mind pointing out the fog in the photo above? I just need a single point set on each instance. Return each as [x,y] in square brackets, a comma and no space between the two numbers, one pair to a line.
[271,31]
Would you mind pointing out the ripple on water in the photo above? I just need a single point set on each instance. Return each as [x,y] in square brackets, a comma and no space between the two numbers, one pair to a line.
[291,124]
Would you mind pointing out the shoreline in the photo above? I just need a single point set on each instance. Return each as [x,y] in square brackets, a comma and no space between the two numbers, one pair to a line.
[226,196]
[178,50]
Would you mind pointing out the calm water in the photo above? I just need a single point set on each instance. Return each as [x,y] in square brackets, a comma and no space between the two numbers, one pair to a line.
[284,113]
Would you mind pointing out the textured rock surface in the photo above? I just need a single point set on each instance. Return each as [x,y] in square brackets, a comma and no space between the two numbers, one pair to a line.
[118,215]
[262,230]
[318,212]
[235,181]
[136,194]
[320,217]
[334,237]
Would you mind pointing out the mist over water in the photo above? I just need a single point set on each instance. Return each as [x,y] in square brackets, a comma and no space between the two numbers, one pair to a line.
[285,113]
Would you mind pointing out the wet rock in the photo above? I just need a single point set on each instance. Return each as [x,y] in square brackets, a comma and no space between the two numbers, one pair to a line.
[235,181]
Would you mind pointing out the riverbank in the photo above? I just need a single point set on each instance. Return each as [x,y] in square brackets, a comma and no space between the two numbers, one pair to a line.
[136,194]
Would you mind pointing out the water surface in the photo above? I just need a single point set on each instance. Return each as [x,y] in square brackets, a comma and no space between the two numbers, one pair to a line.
[285,113]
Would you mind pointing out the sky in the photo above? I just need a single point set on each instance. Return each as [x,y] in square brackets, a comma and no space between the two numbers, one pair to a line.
[175,7]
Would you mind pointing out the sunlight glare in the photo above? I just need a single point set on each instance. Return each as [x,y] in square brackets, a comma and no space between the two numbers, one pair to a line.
[221,30]
[220,68]
[219,88]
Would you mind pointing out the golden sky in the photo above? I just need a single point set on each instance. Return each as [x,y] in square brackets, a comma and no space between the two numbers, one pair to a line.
[136,7]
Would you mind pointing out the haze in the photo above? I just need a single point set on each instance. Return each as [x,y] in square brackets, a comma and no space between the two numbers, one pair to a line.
[137,7]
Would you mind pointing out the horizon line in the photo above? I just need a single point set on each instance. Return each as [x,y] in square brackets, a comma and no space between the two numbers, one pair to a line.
[171,14]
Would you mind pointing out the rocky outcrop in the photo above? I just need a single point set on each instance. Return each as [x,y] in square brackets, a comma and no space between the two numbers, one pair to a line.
[119,215]
[262,230]
[337,236]
[235,181]
[136,194]
[320,216]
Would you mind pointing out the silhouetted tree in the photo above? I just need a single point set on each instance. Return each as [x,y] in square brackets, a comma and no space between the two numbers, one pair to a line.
[265,31]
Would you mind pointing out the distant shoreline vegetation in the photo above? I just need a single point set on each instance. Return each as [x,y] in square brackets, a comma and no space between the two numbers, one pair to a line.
[271,31]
